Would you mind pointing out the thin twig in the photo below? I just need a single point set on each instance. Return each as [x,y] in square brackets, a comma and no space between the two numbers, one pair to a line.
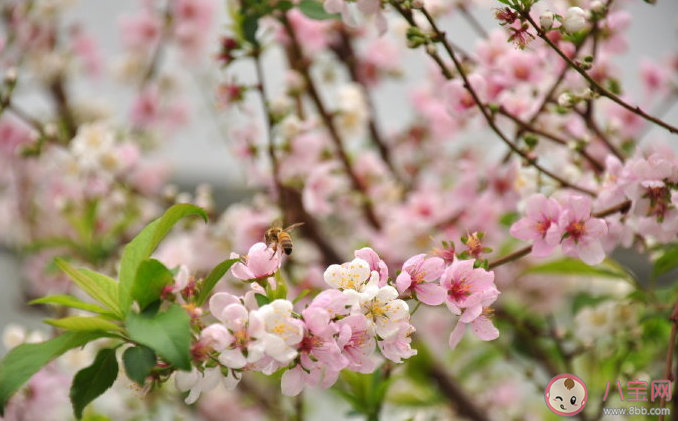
[300,64]
[488,117]
[289,200]
[668,367]
[346,53]
[594,84]
[473,22]
[527,127]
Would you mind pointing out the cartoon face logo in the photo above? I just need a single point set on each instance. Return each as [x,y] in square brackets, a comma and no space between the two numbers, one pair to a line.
[566,395]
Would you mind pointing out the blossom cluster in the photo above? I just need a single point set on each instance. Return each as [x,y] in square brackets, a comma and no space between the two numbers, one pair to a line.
[340,328]
[549,223]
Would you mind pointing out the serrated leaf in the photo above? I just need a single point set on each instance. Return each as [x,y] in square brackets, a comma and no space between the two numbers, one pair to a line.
[91,382]
[168,334]
[152,277]
[82,323]
[25,360]
[211,280]
[70,301]
[139,361]
[97,286]
[315,10]
[143,245]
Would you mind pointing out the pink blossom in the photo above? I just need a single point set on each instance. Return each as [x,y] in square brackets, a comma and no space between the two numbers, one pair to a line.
[357,343]
[418,276]
[375,263]
[12,135]
[398,347]
[260,262]
[320,358]
[145,110]
[141,31]
[481,326]
[582,234]
[87,49]
[321,185]
[468,287]
[193,22]
[539,225]
[458,98]
[314,34]
[655,76]
[235,337]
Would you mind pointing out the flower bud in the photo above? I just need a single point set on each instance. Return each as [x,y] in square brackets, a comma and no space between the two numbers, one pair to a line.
[11,75]
[597,6]
[574,20]
[566,100]
[546,20]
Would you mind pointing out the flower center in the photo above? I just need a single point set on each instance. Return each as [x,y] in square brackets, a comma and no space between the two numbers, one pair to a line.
[310,342]
[543,226]
[241,338]
[358,339]
[459,290]
[376,309]
[576,230]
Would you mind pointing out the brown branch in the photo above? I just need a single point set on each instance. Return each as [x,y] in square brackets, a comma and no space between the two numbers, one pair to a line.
[289,200]
[529,127]
[60,97]
[300,64]
[668,367]
[156,55]
[594,84]
[346,53]
[488,117]
[591,124]
[472,21]
[462,403]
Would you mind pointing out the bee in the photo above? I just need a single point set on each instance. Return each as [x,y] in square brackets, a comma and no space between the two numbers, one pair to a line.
[278,236]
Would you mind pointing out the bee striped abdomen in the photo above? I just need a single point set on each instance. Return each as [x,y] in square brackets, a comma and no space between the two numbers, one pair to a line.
[286,242]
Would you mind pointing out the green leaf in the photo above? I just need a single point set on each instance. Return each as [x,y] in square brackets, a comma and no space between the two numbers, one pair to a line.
[91,382]
[666,262]
[168,334]
[70,301]
[250,26]
[262,300]
[301,295]
[95,417]
[215,275]
[315,10]
[568,266]
[139,361]
[582,300]
[152,277]
[25,360]
[80,323]
[100,287]
[143,245]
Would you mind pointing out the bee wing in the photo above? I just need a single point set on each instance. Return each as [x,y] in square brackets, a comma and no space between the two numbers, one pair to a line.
[277,223]
[293,226]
